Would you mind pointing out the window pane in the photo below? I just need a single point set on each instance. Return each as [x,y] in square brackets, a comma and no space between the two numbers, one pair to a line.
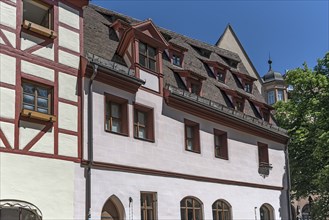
[141,118]
[270,97]
[42,102]
[142,60]
[28,88]
[152,64]
[190,214]
[189,203]
[189,144]
[142,132]
[280,95]
[189,132]
[151,52]
[198,214]
[149,214]
[28,107]
[37,13]
[142,48]
[28,99]
[42,110]
[43,92]
[115,110]
[116,125]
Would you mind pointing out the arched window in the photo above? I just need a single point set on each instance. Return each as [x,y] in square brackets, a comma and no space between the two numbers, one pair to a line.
[191,209]
[19,210]
[266,212]
[306,214]
[113,209]
[221,210]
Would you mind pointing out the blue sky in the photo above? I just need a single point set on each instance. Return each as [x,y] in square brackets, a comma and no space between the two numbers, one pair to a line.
[291,31]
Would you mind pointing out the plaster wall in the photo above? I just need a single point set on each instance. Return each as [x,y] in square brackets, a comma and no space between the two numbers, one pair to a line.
[7,103]
[68,15]
[66,39]
[67,85]
[168,153]
[68,59]
[228,42]
[7,69]
[46,183]
[10,36]
[67,145]
[68,116]
[151,81]
[7,15]
[37,70]
[8,130]
[245,202]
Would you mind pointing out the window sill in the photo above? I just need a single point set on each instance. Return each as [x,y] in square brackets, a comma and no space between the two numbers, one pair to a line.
[28,25]
[193,151]
[143,139]
[118,133]
[222,158]
[38,115]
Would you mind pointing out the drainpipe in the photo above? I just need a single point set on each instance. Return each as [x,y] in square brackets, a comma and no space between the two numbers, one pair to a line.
[286,152]
[90,143]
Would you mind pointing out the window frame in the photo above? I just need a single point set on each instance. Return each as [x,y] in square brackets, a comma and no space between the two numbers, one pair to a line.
[221,72]
[222,145]
[282,95]
[35,114]
[195,131]
[198,84]
[263,154]
[123,103]
[247,87]
[241,101]
[222,210]
[147,57]
[193,208]
[149,124]
[174,59]
[270,95]
[45,30]
[144,206]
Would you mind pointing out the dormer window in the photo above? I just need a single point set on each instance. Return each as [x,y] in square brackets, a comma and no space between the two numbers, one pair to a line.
[195,88]
[239,104]
[221,75]
[176,60]
[248,87]
[147,56]
[266,115]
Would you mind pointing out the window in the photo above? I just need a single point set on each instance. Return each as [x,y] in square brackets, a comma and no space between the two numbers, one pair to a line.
[37,12]
[37,98]
[148,206]
[143,123]
[195,88]
[176,60]
[192,136]
[221,75]
[220,144]
[191,209]
[147,56]
[270,97]
[266,115]
[116,114]
[221,210]
[239,104]
[263,153]
[248,87]
[280,95]
[19,210]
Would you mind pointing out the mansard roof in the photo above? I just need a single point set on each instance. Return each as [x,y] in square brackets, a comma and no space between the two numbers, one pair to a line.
[100,39]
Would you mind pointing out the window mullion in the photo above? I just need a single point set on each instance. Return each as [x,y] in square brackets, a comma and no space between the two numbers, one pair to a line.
[35,99]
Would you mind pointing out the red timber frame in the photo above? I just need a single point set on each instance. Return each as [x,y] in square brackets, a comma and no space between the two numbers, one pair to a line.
[26,55]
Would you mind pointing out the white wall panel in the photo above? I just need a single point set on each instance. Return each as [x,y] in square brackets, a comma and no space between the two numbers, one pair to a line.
[151,81]
[8,130]
[11,37]
[7,15]
[67,116]
[67,145]
[7,103]
[7,69]
[27,131]
[69,39]
[68,15]
[28,41]
[37,70]
[68,59]
[46,52]
[45,144]
[67,87]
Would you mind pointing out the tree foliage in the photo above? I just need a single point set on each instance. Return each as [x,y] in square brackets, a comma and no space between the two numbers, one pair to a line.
[306,117]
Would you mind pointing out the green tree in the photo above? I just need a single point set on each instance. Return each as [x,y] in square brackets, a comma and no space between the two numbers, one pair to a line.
[306,117]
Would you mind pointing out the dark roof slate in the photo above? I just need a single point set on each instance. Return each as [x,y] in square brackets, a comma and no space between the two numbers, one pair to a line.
[100,39]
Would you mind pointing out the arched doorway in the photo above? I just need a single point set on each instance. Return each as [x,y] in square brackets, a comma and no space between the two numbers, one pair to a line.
[266,212]
[113,209]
